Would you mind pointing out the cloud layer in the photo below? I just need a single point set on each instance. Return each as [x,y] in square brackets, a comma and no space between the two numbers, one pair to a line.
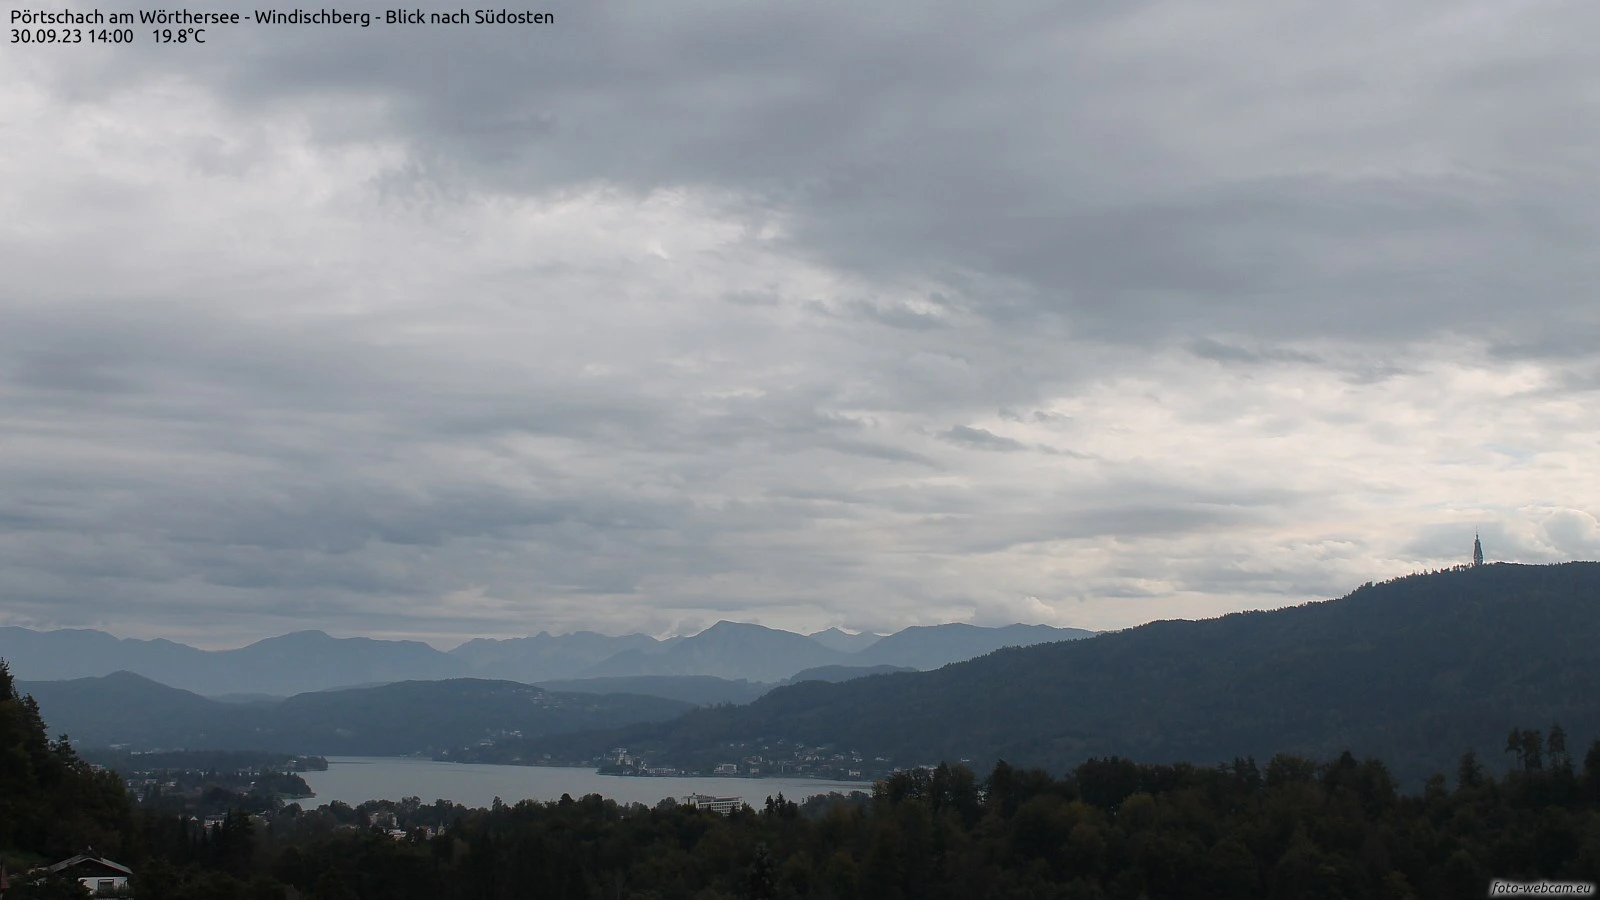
[810,316]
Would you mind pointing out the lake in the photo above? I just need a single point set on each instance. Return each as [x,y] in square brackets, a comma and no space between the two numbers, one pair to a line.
[357,779]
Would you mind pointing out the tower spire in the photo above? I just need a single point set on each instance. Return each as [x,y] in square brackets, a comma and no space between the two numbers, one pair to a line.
[1477,550]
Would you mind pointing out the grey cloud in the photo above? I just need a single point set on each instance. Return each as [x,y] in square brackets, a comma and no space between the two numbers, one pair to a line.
[1209,348]
[752,298]
[982,439]
[1039,415]
[1206,577]
[1450,543]
[1574,534]
[792,245]
[995,533]
[1063,451]
[883,452]
[892,316]
[979,438]
[1062,151]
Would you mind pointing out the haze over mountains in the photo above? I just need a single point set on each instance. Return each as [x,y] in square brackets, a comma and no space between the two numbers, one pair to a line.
[388,720]
[1415,671]
[313,661]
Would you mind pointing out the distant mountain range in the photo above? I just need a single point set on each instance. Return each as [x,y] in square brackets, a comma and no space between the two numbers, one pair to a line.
[844,641]
[290,664]
[545,656]
[700,690]
[931,646]
[129,710]
[394,719]
[844,673]
[312,661]
[1414,671]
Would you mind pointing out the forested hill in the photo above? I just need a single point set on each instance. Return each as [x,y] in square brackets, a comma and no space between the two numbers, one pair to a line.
[1291,828]
[1415,671]
[401,718]
[51,802]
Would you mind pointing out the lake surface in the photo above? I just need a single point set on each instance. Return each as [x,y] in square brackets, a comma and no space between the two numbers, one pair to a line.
[357,779]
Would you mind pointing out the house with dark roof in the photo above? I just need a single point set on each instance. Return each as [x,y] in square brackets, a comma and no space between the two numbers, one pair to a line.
[101,876]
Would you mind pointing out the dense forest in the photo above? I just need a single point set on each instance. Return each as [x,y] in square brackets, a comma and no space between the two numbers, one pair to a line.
[1111,827]
[1413,671]
[210,782]
[52,803]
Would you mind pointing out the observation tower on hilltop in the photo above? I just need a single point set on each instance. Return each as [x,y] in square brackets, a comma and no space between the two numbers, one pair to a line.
[1477,551]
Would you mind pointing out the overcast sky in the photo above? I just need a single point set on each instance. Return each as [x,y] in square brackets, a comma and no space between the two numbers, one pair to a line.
[805,314]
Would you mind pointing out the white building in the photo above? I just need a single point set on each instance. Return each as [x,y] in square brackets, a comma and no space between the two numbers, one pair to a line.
[724,805]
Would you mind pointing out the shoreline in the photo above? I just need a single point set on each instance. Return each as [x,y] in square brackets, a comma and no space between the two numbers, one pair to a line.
[797,777]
